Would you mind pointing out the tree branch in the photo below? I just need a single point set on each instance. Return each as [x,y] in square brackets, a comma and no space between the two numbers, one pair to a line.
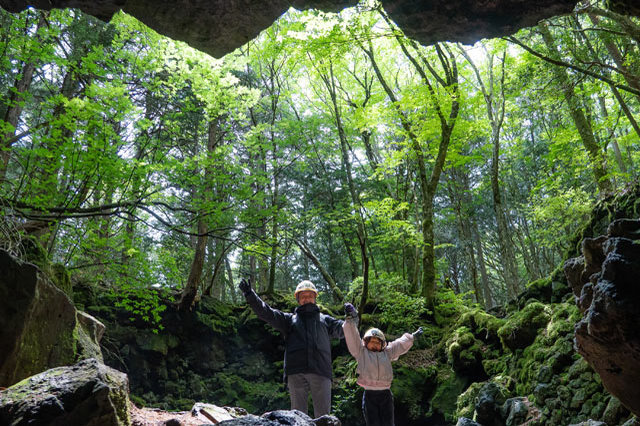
[560,63]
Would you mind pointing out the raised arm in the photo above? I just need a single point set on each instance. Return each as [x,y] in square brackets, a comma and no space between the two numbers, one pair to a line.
[352,336]
[402,345]
[274,317]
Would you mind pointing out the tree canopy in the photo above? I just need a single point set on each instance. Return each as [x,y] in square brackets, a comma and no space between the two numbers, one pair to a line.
[330,148]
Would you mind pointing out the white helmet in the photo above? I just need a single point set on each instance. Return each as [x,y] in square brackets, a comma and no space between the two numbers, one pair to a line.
[374,332]
[305,285]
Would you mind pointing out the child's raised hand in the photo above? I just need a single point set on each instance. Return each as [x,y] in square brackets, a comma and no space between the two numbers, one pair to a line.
[417,333]
[350,310]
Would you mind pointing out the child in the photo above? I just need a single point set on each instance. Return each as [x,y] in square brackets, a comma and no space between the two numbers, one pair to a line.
[374,357]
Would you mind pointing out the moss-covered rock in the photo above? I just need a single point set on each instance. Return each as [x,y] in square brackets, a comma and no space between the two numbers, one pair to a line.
[37,322]
[483,325]
[449,386]
[464,351]
[466,401]
[159,342]
[88,393]
[412,388]
[520,330]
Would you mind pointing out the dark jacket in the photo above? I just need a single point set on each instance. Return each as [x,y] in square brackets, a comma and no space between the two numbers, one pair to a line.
[307,334]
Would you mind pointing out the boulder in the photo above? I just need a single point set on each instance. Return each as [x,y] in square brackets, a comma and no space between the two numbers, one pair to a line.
[37,322]
[463,421]
[521,329]
[282,417]
[608,336]
[327,421]
[614,412]
[88,393]
[488,404]
[516,411]
[40,327]
[89,331]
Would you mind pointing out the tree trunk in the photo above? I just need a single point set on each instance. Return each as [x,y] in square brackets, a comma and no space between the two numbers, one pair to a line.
[274,226]
[15,103]
[195,273]
[330,84]
[462,219]
[232,290]
[504,239]
[582,124]
[190,290]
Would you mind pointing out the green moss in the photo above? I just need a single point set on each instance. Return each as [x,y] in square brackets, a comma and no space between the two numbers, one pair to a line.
[494,367]
[500,386]
[466,402]
[411,388]
[160,342]
[62,279]
[86,347]
[449,387]
[483,325]
[35,253]
[119,397]
[464,351]
[217,323]
[448,307]
[550,355]
[522,327]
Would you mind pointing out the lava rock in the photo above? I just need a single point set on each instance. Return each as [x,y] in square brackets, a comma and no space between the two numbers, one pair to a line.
[608,336]
[282,417]
[516,410]
[488,403]
[614,412]
[327,421]
[463,421]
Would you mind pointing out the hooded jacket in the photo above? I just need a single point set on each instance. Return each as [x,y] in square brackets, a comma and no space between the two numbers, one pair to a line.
[307,335]
[374,368]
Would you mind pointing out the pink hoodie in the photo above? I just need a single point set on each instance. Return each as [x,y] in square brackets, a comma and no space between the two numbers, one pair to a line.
[374,368]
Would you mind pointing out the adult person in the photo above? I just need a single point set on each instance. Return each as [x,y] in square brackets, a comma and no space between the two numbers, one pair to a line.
[307,336]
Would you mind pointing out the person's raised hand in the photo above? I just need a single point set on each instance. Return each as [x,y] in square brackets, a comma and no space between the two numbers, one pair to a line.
[418,332]
[350,310]
[245,286]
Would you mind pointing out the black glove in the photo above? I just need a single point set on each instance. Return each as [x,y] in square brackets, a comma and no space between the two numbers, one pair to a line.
[245,286]
[417,333]
[350,310]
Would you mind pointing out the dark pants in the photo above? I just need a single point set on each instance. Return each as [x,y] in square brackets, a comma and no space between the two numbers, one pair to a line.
[377,407]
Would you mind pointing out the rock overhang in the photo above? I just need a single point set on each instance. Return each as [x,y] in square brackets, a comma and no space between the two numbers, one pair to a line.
[218,27]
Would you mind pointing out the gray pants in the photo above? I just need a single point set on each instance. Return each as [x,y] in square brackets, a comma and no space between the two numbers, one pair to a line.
[320,387]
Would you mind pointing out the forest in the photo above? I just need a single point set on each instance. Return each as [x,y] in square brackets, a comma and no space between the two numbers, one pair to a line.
[331,148]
